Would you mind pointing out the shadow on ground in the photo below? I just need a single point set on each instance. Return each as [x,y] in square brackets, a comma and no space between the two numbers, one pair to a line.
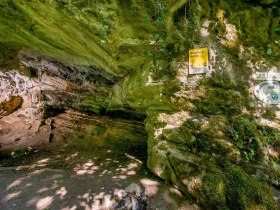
[70,177]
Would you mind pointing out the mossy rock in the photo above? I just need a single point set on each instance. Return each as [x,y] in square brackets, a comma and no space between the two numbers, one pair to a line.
[213,190]
[11,105]
[244,192]
[231,188]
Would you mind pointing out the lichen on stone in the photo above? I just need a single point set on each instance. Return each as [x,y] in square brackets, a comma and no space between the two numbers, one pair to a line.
[11,105]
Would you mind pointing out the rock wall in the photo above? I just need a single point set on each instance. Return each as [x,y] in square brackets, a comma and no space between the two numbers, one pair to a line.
[207,134]
[38,108]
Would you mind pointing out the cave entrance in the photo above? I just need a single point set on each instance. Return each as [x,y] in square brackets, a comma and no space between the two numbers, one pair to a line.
[98,155]
[76,137]
[121,136]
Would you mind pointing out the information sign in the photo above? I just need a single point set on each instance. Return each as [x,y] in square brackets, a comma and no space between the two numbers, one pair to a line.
[198,61]
[268,92]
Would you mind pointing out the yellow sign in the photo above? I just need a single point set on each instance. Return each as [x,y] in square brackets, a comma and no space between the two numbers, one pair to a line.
[198,61]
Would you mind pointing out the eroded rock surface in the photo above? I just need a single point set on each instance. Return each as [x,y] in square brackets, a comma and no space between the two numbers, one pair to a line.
[36,109]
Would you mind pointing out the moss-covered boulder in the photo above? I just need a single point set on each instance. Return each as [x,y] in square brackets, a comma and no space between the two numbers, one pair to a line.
[11,105]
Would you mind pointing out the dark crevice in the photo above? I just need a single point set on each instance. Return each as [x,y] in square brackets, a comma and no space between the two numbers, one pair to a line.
[172,168]
[126,114]
[51,138]
[73,73]
[176,143]
[52,111]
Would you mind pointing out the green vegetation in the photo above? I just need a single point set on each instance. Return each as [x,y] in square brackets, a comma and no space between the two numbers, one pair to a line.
[17,153]
[244,192]
[231,188]
[8,56]
[213,188]
[98,130]
[247,136]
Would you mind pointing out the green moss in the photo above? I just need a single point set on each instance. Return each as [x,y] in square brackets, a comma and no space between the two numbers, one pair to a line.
[231,188]
[220,101]
[262,36]
[8,56]
[222,96]
[17,153]
[273,137]
[95,102]
[269,113]
[244,192]
[199,141]
[92,107]
[98,130]
[11,105]
[28,29]
[250,136]
[213,189]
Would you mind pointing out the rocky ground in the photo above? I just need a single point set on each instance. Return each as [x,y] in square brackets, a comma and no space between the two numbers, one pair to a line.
[73,175]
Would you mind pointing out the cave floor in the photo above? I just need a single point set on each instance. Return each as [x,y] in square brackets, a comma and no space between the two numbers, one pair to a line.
[72,176]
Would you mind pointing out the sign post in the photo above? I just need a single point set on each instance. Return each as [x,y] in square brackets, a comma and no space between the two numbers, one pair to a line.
[266,76]
[268,92]
[198,61]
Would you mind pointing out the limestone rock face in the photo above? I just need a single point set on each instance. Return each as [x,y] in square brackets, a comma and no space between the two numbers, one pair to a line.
[207,133]
[36,109]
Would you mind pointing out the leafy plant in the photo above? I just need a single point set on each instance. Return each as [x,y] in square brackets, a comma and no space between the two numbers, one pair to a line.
[20,152]
[246,136]
[17,153]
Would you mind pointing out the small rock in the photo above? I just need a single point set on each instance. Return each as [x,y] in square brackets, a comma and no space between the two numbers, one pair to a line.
[135,189]
[120,194]
[109,203]
[113,204]
[106,201]
[136,204]
[132,198]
